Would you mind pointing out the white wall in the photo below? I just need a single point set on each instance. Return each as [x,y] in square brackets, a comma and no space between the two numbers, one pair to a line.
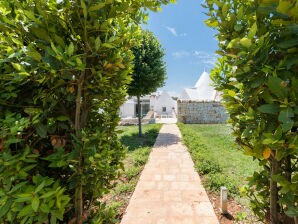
[127,109]
[165,100]
[152,102]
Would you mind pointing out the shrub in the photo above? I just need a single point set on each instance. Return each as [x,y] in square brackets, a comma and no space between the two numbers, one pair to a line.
[207,166]
[65,67]
[257,73]
[214,181]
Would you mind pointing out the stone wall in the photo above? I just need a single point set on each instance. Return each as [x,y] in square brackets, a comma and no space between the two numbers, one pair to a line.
[201,112]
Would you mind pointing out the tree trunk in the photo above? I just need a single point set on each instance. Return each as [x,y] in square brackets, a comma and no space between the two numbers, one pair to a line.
[79,187]
[139,117]
[273,193]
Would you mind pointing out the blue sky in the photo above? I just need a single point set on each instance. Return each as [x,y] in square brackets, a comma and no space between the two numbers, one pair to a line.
[189,44]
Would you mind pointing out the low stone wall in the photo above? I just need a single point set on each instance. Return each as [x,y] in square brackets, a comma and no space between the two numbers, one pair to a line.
[201,112]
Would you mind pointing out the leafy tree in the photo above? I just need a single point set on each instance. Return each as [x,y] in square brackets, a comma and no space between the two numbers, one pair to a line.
[258,76]
[149,69]
[64,69]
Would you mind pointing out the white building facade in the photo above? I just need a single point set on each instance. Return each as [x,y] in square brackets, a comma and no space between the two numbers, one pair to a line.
[160,104]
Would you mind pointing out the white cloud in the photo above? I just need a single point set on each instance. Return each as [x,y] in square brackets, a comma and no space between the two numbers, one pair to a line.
[203,57]
[181,54]
[172,30]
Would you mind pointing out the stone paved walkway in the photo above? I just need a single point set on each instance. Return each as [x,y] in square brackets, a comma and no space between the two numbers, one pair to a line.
[169,190]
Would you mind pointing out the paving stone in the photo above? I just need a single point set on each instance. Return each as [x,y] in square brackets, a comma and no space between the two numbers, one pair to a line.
[169,190]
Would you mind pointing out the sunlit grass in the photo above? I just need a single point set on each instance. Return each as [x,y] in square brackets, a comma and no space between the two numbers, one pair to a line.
[217,157]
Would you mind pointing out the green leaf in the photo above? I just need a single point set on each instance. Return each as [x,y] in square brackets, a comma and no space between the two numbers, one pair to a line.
[245,42]
[62,118]
[292,212]
[287,125]
[234,43]
[41,130]
[269,108]
[283,6]
[32,111]
[211,23]
[268,141]
[97,43]
[97,6]
[83,5]
[35,203]
[231,93]
[285,115]
[48,194]
[70,49]
[275,86]
[40,33]
[5,208]
[25,211]
[252,32]
[107,45]
[44,208]
[18,186]
[39,187]
[17,66]
[23,197]
[34,54]
[288,43]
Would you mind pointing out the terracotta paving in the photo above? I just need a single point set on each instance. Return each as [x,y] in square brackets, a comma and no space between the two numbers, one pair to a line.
[169,190]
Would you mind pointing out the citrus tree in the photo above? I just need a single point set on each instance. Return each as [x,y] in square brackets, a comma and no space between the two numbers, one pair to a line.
[258,75]
[64,68]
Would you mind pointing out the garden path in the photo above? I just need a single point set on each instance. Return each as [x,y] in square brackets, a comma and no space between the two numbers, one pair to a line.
[169,190]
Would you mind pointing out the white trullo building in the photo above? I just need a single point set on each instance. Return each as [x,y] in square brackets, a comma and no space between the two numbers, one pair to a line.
[165,105]
[159,104]
[202,91]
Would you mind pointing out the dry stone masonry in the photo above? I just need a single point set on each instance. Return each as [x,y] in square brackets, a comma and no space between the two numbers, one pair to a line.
[201,112]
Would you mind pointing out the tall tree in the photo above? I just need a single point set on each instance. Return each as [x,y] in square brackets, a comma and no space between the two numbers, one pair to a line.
[149,69]
[258,42]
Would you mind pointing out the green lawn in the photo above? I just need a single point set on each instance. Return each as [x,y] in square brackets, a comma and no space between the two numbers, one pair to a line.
[138,150]
[217,157]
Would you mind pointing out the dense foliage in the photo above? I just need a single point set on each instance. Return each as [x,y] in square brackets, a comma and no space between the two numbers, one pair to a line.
[258,74]
[149,69]
[64,70]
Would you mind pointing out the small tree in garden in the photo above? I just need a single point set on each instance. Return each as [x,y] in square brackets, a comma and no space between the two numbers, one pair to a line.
[258,74]
[149,69]
[64,69]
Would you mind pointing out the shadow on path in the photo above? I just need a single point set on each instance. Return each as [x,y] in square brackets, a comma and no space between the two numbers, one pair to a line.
[166,139]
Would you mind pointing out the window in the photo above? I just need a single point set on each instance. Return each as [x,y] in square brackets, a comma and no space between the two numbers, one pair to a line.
[164,109]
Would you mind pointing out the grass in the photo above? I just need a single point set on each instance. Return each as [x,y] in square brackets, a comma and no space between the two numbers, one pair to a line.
[217,157]
[138,150]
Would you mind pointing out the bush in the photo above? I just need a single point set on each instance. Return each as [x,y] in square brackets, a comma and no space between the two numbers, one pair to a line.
[207,166]
[257,73]
[214,181]
[65,67]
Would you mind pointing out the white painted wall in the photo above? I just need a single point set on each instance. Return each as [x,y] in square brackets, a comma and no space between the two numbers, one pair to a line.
[127,110]
[152,101]
[165,100]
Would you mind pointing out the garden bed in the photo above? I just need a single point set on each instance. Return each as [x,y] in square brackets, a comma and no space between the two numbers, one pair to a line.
[220,162]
